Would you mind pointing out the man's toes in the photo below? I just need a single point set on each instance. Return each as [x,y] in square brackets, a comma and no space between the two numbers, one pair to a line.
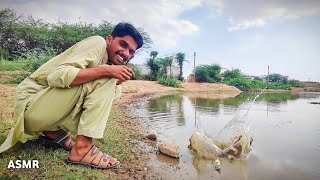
[113,161]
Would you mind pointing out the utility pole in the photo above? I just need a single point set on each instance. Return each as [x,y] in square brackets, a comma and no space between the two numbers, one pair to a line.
[268,75]
[194,63]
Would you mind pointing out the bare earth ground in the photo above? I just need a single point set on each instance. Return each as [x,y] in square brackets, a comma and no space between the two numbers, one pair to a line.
[133,90]
[135,165]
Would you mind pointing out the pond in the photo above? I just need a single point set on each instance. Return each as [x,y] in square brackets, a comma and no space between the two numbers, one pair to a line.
[285,128]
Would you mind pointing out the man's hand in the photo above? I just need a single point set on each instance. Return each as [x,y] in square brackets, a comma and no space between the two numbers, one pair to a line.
[120,72]
[119,82]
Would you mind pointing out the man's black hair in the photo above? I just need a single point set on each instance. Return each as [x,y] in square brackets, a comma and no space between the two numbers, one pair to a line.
[124,29]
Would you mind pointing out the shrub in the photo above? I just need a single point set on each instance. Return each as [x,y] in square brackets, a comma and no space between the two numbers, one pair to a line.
[36,57]
[256,84]
[296,83]
[18,79]
[230,74]
[137,73]
[208,73]
[169,82]
[241,83]
[279,86]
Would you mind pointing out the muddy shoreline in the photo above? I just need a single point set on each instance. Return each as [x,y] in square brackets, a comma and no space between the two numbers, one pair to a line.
[144,156]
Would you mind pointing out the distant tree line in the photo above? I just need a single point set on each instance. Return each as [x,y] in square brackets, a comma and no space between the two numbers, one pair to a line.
[20,34]
[159,68]
[234,77]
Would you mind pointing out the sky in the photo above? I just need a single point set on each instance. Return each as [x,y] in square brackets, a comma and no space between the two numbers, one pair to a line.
[246,34]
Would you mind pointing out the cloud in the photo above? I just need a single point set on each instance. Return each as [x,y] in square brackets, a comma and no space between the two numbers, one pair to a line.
[246,14]
[160,18]
[163,19]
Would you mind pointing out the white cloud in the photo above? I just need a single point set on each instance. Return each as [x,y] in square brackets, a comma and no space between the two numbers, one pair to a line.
[256,13]
[160,18]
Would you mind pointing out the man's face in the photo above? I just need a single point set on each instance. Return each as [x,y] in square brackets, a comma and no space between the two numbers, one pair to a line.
[120,49]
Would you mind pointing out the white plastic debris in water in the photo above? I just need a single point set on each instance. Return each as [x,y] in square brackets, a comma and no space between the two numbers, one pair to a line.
[204,147]
[217,165]
[207,148]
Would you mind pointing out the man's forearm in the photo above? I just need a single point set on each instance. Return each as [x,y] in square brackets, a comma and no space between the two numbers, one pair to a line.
[90,74]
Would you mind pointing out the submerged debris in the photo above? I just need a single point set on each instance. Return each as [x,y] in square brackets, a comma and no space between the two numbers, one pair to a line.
[205,147]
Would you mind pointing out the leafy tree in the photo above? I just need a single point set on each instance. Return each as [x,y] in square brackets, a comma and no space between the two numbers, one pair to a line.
[154,66]
[277,78]
[153,55]
[19,34]
[208,73]
[295,83]
[170,61]
[165,63]
[180,58]
[230,74]
[257,78]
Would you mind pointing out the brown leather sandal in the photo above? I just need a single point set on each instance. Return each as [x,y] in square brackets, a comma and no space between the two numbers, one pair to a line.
[95,156]
[61,140]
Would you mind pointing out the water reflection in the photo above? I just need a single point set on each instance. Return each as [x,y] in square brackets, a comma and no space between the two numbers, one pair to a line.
[285,128]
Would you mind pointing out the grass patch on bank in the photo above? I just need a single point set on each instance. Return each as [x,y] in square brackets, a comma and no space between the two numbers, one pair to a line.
[6,65]
[51,161]
[31,61]
[169,82]
[18,79]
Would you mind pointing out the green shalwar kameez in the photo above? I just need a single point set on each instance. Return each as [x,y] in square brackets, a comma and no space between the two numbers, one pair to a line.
[46,102]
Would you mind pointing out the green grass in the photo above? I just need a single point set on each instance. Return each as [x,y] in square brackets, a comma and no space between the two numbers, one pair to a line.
[169,82]
[17,79]
[25,66]
[6,65]
[115,142]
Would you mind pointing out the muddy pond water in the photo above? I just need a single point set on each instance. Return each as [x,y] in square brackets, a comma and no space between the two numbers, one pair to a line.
[285,128]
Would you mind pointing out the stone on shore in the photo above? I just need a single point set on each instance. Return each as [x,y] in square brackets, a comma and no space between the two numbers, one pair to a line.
[169,150]
[152,135]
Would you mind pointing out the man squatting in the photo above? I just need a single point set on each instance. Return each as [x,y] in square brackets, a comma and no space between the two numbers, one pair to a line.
[73,92]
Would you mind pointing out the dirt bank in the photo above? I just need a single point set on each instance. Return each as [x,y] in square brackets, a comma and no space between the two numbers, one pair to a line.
[133,90]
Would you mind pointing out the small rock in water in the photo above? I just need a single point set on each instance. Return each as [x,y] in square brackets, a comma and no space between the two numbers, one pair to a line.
[169,150]
[151,135]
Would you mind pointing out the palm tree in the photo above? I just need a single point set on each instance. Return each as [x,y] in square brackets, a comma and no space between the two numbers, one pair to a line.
[153,55]
[170,61]
[153,65]
[180,58]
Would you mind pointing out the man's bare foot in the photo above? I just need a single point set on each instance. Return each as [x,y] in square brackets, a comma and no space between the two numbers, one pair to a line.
[80,149]
[53,135]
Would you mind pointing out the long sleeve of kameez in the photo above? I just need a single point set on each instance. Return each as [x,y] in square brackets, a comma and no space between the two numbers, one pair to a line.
[87,53]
